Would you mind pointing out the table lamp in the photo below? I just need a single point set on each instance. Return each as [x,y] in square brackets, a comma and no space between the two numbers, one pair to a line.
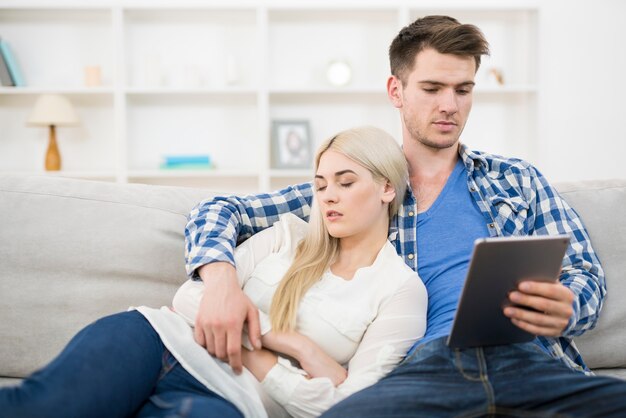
[53,110]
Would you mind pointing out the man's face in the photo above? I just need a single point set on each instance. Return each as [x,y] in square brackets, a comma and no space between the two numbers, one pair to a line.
[436,99]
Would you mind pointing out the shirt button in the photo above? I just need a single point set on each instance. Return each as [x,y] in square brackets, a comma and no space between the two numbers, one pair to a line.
[411,213]
[473,189]
[491,225]
[411,256]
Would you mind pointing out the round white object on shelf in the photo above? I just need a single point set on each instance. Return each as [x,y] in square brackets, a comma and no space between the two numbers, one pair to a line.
[339,73]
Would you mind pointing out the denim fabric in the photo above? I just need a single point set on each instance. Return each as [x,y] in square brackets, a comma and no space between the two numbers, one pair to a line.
[115,367]
[518,380]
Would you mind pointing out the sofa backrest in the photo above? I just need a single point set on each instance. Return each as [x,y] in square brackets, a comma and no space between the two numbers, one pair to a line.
[72,251]
[602,206]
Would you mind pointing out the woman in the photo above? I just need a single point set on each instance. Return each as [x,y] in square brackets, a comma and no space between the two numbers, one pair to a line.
[330,293]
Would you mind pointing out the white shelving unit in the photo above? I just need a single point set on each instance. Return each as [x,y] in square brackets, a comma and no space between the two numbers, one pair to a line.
[210,76]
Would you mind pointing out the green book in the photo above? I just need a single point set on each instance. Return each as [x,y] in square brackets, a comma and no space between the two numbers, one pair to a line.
[5,76]
[11,63]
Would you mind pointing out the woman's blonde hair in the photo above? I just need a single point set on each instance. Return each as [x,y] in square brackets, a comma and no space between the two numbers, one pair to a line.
[373,149]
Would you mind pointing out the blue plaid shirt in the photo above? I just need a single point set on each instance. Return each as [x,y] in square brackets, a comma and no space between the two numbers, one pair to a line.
[513,196]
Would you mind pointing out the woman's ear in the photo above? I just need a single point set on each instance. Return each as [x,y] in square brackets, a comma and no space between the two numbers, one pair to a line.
[389,193]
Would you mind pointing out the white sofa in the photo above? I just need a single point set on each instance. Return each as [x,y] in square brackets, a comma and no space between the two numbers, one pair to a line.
[74,250]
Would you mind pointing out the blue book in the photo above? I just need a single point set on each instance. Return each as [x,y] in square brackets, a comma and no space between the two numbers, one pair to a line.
[11,63]
[174,160]
[187,166]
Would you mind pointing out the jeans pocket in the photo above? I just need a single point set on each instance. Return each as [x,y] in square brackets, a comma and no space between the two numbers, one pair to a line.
[411,355]
[161,403]
[535,348]
[160,406]
[168,362]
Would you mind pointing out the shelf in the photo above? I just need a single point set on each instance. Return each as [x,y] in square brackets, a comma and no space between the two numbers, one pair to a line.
[305,173]
[295,58]
[374,90]
[156,174]
[506,89]
[161,48]
[477,6]
[93,175]
[191,97]
[9,91]
[53,46]
[221,183]
[209,77]
[201,91]
[280,93]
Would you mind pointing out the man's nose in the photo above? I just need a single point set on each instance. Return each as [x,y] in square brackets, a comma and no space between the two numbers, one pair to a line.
[448,102]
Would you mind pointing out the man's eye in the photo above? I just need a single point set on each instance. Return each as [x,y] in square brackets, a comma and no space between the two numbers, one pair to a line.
[346,185]
[320,188]
[463,92]
[430,90]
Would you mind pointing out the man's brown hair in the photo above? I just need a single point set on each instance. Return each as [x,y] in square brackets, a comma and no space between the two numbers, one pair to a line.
[442,33]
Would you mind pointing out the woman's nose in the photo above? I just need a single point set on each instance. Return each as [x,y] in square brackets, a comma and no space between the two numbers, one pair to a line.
[330,194]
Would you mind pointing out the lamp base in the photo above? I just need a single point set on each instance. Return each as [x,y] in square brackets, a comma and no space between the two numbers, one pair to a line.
[53,157]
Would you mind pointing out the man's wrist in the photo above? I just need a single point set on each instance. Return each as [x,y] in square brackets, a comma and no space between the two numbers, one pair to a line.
[216,272]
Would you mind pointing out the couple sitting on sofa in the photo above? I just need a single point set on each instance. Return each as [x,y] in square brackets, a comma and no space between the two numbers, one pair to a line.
[344,290]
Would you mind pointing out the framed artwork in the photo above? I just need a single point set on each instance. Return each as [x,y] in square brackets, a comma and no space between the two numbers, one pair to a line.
[291,144]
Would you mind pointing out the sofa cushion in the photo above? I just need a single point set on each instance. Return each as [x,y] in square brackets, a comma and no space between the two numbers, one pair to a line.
[601,205]
[618,373]
[72,251]
[9,381]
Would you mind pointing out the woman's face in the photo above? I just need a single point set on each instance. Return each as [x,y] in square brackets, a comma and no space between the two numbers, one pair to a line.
[352,203]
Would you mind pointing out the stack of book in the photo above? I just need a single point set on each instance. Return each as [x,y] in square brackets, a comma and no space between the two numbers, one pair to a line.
[186,162]
[10,74]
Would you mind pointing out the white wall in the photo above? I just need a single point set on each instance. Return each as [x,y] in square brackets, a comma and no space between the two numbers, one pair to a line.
[582,77]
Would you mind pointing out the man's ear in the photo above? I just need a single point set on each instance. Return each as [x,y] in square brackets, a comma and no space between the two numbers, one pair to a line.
[389,193]
[394,91]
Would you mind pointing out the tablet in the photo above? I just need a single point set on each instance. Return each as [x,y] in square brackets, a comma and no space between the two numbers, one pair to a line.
[496,267]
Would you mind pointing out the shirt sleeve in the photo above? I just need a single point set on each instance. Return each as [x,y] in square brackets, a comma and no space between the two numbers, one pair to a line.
[581,271]
[186,301]
[400,322]
[215,226]
[283,236]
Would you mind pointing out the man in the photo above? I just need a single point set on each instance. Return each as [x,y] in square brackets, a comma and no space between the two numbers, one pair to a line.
[457,196]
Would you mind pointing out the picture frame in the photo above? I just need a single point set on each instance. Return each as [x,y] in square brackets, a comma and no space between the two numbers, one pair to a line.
[291,144]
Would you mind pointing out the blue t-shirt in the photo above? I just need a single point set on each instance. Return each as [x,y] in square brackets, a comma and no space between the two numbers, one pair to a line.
[445,238]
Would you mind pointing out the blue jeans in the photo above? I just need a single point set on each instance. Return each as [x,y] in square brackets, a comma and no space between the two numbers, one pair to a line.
[115,367]
[519,380]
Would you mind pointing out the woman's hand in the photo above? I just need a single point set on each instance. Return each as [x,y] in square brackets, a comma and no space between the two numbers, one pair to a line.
[319,364]
[311,357]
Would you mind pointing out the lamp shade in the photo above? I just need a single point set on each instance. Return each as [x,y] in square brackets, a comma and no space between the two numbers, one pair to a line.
[53,109]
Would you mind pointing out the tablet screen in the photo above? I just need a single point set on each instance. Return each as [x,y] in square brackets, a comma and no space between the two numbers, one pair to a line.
[496,268]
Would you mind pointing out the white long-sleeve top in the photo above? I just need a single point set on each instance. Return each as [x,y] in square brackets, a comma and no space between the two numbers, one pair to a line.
[367,324]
